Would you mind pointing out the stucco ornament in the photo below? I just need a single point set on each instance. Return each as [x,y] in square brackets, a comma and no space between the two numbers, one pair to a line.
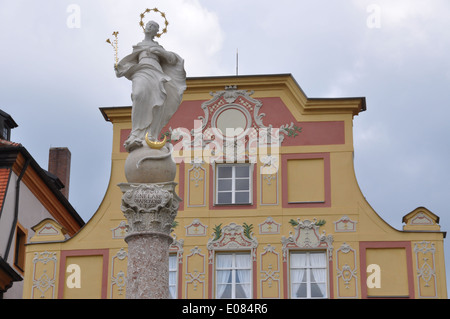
[158,82]
[307,236]
[149,208]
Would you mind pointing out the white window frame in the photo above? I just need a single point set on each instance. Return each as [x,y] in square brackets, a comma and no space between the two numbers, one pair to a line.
[308,274]
[174,270]
[233,269]
[233,183]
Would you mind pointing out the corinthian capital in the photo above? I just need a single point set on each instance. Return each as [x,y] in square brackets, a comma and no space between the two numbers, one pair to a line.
[149,208]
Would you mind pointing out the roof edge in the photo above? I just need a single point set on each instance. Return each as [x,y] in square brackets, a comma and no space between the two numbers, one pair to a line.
[12,153]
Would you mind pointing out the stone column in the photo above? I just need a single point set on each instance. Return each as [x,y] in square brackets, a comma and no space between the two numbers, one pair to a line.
[150,205]
[150,210]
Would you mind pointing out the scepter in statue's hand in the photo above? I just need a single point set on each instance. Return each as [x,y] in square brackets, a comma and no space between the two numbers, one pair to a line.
[115,47]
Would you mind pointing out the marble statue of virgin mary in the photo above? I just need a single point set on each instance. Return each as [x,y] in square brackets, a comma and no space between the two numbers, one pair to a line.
[158,82]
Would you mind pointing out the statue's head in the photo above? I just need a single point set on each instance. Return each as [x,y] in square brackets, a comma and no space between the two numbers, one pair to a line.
[152,28]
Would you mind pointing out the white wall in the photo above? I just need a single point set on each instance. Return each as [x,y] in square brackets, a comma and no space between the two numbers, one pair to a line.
[31,212]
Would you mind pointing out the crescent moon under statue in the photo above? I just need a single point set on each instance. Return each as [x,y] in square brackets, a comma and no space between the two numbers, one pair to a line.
[155,145]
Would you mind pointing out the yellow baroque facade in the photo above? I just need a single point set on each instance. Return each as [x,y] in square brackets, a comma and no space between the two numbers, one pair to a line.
[276,215]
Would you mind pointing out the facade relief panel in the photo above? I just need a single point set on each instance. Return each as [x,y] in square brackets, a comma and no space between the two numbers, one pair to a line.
[44,275]
[345,224]
[269,181]
[425,269]
[195,276]
[196,185]
[270,269]
[119,274]
[196,228]
[269,226]
[346,272]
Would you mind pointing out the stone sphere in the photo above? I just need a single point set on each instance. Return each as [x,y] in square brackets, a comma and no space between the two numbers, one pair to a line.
[147,165]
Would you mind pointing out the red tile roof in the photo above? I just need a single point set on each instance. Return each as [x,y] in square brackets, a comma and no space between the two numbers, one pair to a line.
[73,220]
[5,173]
[8,143]
[4,178]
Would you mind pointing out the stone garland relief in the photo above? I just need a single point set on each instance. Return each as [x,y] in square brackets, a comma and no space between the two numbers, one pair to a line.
[269,226]
[345,224]
[177,246]
[44,275]
[118,274]
[307,235]
[269,181]
[196,185]
[196,228]
[120,231]
[247,116]
[270,286]
[231,237]
[421,219]
[346,272]
[426,269]
[195,286]
[48,229]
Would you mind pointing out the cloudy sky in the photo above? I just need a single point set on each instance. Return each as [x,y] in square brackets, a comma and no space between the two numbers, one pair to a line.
[57,70]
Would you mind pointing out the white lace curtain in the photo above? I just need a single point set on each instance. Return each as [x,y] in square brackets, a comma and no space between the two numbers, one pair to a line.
[301,281]
[243,273]
[319,270]
[172,276]
[238,263]
[223,273]
[298,268]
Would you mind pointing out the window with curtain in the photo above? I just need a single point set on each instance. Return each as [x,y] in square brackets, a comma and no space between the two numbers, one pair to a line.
[233,184]
[308,274]
[233,275]
[173,276]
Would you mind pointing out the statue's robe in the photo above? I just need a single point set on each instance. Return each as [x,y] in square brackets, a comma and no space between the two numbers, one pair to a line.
[156,92]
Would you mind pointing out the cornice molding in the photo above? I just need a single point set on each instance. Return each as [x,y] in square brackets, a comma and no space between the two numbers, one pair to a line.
[199,88]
